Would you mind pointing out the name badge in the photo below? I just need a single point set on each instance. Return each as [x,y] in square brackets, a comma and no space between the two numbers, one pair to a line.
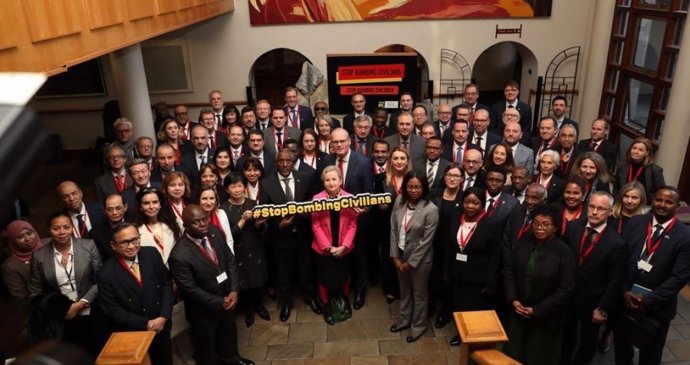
[644,265]
[222,277]
[461,257]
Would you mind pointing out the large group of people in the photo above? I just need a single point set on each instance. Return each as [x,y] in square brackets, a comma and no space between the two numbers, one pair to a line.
[554,232]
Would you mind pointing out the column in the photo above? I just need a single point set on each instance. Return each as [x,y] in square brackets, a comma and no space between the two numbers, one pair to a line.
[595,64]
[676,128]
[133,93]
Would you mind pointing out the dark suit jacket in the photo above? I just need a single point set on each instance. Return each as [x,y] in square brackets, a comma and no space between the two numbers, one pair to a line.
[101,234]
[269,163]
[128,305]
[359,177]
[189,163]
[220,139]
[563,169]
[349,122]
[499,215]
[599,278]
[653,178]
[420,167]
[491,139]
[449,154]
[95,213]
[105,185]
[387,131]
[306,118]
[195,274]
[454,111]
[273,193]
[87,262]
[554,189]
[670,266]
[369,144]
[511,232]
[496,113]
[129,196]
[607,150]
[483,255]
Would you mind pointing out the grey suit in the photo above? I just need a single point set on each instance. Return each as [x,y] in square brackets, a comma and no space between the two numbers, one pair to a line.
[418,252]
[416,147]
[288,133]
[87,261]
[524,156]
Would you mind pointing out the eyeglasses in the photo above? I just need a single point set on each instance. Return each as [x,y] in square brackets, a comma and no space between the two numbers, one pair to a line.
[338,142]
[470,162]
[117,157]
[542,225]
[125,243]
[444,113]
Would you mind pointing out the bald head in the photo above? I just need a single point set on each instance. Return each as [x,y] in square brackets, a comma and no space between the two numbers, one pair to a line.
[70,196]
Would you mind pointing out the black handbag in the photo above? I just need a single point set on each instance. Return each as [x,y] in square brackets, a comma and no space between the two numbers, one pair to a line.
[637,328]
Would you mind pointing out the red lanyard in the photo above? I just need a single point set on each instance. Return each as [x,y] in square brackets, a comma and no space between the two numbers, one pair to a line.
[398,190]
[311,163]
[564,221]
[129,270]
[546,184]
[463,241]
[160,245]
[584,254]
[525,227]
[378,133]
[633,177]
[599,143]
[651,248]
[406,220]
[497,202]
[177,211]
[565,165]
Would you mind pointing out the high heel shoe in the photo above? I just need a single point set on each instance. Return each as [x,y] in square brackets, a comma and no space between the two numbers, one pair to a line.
[249,318]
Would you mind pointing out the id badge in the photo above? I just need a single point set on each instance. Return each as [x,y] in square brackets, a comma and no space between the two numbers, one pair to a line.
[461,257]
[222,277]
[644,265]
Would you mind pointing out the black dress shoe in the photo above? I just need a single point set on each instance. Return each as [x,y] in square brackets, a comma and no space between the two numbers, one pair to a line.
[390,299]
[263,314]
[249,319]
[441,321]
[397,327]
[359,300]
[411,338]
[243,361]
[284,313]
[314,305]
[455,341]
[327,316]
[348,308]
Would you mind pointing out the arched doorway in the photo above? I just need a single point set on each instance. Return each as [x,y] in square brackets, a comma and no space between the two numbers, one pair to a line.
[424,88]
[272,72]
[503,62]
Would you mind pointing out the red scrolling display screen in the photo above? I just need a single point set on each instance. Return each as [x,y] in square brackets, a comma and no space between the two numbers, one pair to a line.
[381,77]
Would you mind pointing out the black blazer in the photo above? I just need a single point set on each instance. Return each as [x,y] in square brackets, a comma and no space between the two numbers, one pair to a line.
[273,194]
[500,214]
[369,143]
[607,150]
[599,278]
[483,255]
[553,280]
[128,305]
[511,232]
[359,177]
[129,196]
[652,178]
[554,189]
[306,118]
[670,266]
[269,163]
[496,113]
[420,167]
[189,165]
[491,139]
[563,169]
[349,121]
[195,274]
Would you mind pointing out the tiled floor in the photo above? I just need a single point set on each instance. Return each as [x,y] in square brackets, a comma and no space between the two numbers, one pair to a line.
[306,339]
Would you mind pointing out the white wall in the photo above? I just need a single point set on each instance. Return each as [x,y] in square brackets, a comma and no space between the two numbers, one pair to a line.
[223,50]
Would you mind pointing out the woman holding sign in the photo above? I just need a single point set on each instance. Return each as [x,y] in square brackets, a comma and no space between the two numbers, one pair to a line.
[413,225]
[473,256]
[334,233]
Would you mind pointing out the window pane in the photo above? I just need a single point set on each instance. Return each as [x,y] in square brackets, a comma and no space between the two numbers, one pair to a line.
[650,37]
[659,128]
[678,35]
[684,5]
[624,143]
[638,104]
[619,52]
[671,65]
[665,91]
[624,3]
[656,4]
[610,103]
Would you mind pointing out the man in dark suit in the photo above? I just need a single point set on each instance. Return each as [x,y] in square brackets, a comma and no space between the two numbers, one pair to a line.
[321,108]
[432,166]
[362,138]
[471,96]
[290,235]
[406,105]
[216,138]
[200,154]
[658,267]
[115,209]
[115,179]
[139,171]
[547,137]
[443,123]
[600,144]
[480,135]
[298,116]
[84,215]
[206,274]
[520,178]
[405,138]
[520,221]
[248,119]
[455,151]
[279,132]
[599,279]
[263,114]
[216,103]
[255,144]
[314,175]
[238,148]
[358,178]
[165,162]
[472,162]
[379,128]
[135,291]
[511,91]
[567,138]
[359,103]
[559,104]
[498,204]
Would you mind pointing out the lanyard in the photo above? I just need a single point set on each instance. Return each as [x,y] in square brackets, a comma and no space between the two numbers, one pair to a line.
[398,190]
[71,269]
[463,241]
[211,256]
[564,221]
[406,220]
[178,212]
[525,227]
[633,177]
[497,202]
[652,247]
[584,254]
[565,165]
[129,270]
[156,239]
[545,182]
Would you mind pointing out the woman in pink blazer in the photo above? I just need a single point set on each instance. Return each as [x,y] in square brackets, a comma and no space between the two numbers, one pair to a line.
[334,233]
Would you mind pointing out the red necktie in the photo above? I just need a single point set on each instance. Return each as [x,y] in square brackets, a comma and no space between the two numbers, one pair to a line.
[119,183]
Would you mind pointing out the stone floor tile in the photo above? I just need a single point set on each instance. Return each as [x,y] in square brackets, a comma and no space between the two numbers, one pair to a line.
[418,359]
[453,357]
[396,347]
[346,349]
[306,315]
[673,335]
[372,312]
[254,353]
[307,332]
[684,330]
[432,344]
[376,299]
[289,352]
[369,360]
[288,362]
[667,355]
[361,330]
[329,361]
[447,330]
[269,334]
[680,349]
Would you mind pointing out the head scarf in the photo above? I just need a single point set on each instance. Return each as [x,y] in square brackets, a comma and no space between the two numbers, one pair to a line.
[13,230]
